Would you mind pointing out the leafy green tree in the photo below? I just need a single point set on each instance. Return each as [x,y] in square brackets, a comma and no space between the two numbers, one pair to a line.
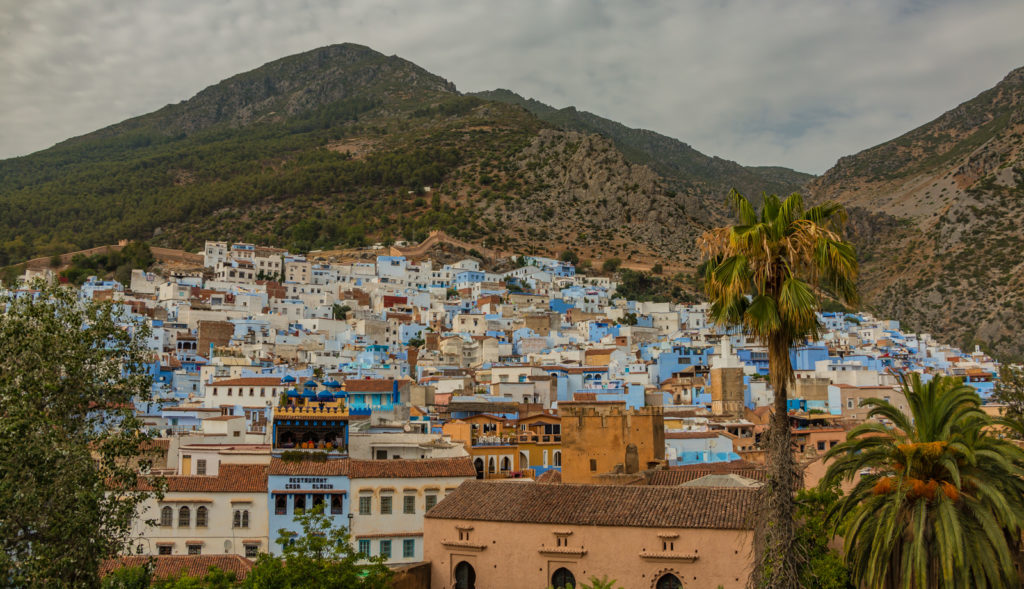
[657,269]
[339,311]
[942,504]
[570,256]
[1009,391]
[136,577]
[611,265]
[764,276]
[824,568]
[71,447]
[321,557]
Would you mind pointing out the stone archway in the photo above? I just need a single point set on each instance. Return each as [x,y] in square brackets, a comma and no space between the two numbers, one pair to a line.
[478,464]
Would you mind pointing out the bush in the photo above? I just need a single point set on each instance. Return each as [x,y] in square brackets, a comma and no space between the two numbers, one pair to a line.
[611,265]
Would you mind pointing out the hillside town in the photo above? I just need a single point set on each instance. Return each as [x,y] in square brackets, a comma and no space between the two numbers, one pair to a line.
[453,418]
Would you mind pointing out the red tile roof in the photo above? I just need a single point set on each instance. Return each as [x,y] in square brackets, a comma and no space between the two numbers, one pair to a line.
[326,468]
[368,385]
[677,475]
[231,478]
[600,505]
[191,565]
[421,468]
[692,435]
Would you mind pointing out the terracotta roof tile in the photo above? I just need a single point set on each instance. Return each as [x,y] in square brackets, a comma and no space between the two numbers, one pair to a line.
[414,468]
[191,565]
[678,475]
[600,505]
[368,385]
[327,468]
[231,478]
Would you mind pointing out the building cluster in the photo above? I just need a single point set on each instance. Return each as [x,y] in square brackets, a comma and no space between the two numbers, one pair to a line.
[481,422]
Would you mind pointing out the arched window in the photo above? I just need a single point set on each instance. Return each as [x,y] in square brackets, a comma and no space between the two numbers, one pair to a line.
[300,503]
[166,517]
[506,464]
[479,465]
[280,504]
[237,521]
[465,576]
[490,465]
[558,458]
[201,517]
[669,581]
[245,518]
[563,579]
[184,517]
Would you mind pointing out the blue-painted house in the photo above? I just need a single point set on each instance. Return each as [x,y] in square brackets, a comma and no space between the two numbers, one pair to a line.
[296,485]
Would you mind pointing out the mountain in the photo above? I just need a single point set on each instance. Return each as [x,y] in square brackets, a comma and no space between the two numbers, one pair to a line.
[683,167]
[343,146]
[936,214]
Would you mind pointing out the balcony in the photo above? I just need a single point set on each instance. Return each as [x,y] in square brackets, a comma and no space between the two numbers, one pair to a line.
[310,411]
[540,438]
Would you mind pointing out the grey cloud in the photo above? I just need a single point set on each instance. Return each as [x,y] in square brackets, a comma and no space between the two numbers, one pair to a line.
[796,83]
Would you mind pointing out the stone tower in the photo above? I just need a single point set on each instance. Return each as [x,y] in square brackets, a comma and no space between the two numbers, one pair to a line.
[727,386]
[602,441]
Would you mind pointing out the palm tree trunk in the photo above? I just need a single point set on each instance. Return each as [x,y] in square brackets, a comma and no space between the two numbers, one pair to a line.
[777,563]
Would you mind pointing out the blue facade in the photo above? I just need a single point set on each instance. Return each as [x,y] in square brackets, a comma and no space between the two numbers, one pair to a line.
[286,493]
[678,359]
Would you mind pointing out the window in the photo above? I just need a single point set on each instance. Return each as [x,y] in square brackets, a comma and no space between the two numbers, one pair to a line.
[385,505]
[166,517]
[409,504]
[201,466]
[408,548]
[382,454]
[201,517]
[318,500]
[280,504]
[165,550]
[593,465]
[252,550]
[385,548]
[300,503]
[245,518]
[237,521]
[336,505]
[184,517]
[821,445]
[431,501]
[364,547]
[849,403]
[140,549]
[364,506]
[195,549]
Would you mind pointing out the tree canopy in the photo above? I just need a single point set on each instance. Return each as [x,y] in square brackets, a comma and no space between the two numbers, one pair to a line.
[938,500]
[71,448]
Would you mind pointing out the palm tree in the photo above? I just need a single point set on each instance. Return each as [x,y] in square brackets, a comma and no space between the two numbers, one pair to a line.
[943,504]
[765,275]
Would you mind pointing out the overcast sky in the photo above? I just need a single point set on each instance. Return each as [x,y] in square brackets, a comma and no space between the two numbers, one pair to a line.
[762,82]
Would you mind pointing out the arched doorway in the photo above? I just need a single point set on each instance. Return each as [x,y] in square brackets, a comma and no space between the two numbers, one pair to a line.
[669,581]
[506,464]
[562,579]
[490,465]
[524,461]
[478,464]
[465,576]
